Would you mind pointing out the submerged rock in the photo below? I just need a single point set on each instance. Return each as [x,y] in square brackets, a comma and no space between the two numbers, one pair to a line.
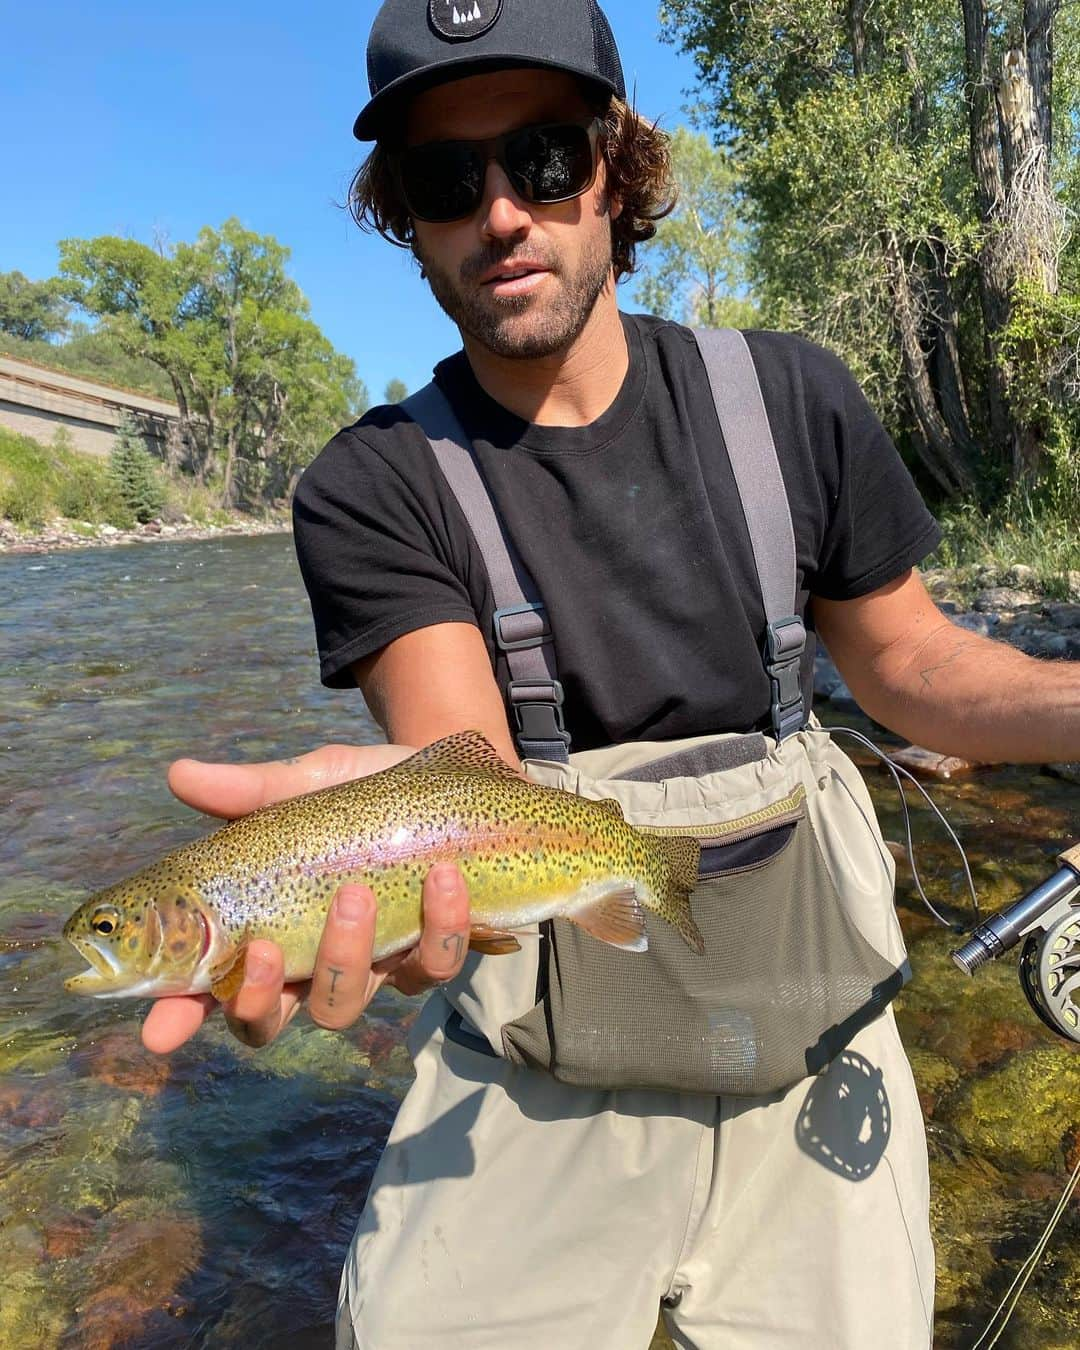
[996,598]
[934,1076]
[973,1023]
[118,1058]
[930,764]
[69,1236]
[968,1208]
[326,1056]
[1022,1113]
[1069,771]
[29,1106]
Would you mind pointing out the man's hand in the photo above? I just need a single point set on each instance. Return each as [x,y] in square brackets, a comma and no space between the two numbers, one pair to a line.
[344,980]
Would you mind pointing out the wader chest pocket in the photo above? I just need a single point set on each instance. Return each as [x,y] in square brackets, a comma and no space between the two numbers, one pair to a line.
[785,981]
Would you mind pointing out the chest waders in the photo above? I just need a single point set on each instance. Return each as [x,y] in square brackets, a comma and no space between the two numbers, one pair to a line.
[795,891]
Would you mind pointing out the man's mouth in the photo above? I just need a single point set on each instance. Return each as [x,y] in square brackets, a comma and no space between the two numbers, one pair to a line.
[514,279]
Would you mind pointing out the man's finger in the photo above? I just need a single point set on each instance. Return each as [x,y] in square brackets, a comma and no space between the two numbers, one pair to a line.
[172,1021]
[342,983]
[232,790]
[444,941]
[255,1014]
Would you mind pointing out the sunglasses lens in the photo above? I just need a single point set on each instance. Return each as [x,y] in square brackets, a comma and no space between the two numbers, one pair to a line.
[445,180]
[550,164]
[442,181]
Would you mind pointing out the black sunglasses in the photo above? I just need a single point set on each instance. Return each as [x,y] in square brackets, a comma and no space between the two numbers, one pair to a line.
[553,162]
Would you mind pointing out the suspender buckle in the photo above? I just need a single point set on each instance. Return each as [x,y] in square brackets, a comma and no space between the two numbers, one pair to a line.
[537,706]
[785,642]
[517,627]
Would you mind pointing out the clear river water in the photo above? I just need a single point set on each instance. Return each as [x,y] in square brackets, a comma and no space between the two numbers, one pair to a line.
[206,1199]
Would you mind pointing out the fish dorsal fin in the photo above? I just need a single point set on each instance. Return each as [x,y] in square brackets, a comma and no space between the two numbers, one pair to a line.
[463,752]
[611,806]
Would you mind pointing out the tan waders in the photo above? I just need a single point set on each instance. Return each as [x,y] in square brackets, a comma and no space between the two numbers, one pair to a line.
[515,1208]
[733,1136]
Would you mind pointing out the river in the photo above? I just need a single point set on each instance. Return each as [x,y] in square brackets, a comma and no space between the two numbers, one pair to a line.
[206,1199]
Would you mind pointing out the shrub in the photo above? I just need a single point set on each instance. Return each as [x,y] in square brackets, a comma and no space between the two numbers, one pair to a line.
[86,491]
[25,501]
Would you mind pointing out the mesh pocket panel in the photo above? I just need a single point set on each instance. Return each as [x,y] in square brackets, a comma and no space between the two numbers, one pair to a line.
[785,982]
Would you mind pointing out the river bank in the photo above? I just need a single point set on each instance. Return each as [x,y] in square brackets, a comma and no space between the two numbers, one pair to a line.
[60,534]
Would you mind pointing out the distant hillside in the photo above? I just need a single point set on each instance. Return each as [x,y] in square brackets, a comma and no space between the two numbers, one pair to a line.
[93,357]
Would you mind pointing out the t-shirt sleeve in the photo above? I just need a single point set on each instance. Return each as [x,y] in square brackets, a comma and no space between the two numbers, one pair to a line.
[372,559]
[876,522]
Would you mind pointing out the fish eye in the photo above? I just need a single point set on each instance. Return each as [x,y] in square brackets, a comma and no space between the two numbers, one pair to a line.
[105,920]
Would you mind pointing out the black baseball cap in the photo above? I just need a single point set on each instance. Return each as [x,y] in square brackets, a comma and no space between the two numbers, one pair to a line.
[415,44]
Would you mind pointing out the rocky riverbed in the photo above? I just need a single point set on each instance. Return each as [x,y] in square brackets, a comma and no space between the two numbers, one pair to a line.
[68,534]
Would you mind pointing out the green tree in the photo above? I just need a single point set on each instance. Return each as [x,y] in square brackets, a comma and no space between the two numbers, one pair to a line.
[396,390]
[134,473]
[33,311]
[906,190]
[143,301]
[695,266]
[258,385]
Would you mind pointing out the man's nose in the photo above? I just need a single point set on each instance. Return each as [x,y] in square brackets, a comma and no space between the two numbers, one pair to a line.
[503,212]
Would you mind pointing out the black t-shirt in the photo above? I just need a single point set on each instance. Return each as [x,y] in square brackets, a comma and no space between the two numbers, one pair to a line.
[631,527]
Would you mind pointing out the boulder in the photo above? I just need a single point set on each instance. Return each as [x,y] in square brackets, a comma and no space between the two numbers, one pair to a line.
[1069,770]
[983,624]
[929,764]
[996,598]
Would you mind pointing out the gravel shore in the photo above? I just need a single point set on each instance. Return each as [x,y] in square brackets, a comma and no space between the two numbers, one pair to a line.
[66,534]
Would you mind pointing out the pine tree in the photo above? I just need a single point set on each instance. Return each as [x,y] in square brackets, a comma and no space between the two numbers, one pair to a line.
[133,471]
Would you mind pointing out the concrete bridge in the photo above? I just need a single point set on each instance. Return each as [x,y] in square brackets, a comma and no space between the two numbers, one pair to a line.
[35,400]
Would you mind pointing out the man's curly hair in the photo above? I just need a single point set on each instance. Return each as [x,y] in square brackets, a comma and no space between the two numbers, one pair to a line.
[637,159]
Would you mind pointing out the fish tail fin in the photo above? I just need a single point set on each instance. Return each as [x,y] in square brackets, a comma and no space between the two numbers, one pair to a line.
[681,857]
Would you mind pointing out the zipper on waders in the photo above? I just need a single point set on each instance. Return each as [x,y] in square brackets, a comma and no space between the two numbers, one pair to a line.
[788,810]
[779,818]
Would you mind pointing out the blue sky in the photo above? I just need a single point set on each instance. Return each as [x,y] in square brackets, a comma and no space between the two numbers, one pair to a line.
[133,120]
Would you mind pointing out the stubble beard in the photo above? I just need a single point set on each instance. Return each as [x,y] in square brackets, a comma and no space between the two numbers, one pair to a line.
[522,327]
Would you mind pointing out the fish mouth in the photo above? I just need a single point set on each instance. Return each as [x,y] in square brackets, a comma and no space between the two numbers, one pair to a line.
[104,974]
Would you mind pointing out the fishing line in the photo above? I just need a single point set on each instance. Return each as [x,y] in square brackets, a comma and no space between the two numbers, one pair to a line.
[896,770]
[1024,1274]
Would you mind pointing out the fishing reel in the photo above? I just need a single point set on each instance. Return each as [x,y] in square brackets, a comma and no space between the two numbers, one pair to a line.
[1047,921]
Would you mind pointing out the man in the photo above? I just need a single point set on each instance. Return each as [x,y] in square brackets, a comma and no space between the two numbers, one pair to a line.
[511,1209]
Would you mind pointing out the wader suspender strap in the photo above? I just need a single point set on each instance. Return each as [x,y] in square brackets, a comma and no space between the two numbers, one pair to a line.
[522,632]
[751,449]
[521,629]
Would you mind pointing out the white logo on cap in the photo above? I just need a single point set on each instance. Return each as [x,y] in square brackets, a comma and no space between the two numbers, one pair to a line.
[463,18]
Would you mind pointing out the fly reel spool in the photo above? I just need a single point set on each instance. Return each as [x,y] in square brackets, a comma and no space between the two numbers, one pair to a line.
[1050,972]
[1047,920]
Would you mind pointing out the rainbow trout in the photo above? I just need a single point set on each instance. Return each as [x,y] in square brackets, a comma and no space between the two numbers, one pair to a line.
[527,853]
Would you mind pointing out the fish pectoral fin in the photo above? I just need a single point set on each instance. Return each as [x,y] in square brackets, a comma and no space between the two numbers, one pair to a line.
[490,941]
[228,975]
[616,917]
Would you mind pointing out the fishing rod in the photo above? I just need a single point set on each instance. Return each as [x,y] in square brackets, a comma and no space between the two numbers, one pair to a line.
[1047,921]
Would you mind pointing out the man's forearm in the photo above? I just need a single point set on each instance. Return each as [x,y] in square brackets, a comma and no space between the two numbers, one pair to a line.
[967,695]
